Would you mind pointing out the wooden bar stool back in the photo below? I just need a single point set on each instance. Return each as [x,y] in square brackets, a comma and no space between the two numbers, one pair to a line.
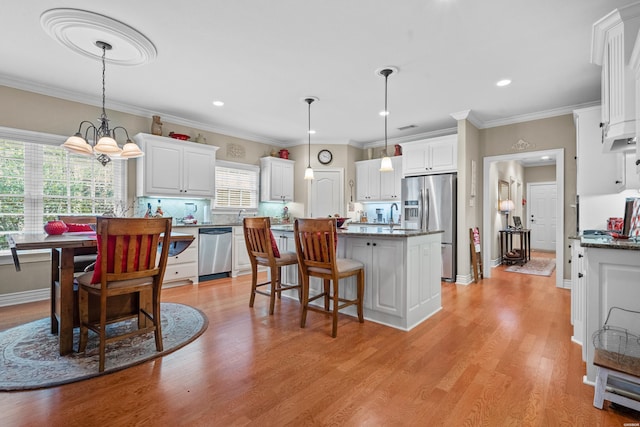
[128,265]
[316,241]
[263,251]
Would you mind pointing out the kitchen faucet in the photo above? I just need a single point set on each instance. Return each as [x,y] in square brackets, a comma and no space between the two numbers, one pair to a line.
[240,214]
[391,211]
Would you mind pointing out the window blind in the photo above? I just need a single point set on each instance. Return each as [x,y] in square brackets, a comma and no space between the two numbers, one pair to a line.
[236,185]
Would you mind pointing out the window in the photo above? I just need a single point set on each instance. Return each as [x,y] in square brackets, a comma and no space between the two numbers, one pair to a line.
[236,185]
[40,180]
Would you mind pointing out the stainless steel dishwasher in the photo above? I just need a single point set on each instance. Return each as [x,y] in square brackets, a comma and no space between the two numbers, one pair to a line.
[214,253]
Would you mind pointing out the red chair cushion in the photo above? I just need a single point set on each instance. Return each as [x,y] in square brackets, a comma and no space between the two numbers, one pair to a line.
[274,245]
[111,249]
[78,227]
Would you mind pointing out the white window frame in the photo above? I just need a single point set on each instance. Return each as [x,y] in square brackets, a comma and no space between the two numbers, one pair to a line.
[243,166]
[36,202]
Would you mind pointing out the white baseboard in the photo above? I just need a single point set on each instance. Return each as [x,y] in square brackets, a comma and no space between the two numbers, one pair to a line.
[24,297]
[464,279]
[566,284]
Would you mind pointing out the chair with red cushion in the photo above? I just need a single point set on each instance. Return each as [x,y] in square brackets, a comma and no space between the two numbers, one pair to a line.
[263,250]
[316,241]
[129,263]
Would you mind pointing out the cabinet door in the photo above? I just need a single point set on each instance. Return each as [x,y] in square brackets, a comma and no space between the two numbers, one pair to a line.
[444,155]
[597,172]
[415,159]
[276,179]
[241,261]
[386,281]
[163,169]
[368,180]
[359,249]
[286,182]
[391,182]
[199,172]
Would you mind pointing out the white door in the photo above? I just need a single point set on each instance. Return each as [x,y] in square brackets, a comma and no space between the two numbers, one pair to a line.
[542,199]
[326,193]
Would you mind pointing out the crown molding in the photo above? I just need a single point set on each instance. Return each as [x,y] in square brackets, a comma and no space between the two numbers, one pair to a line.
[561,111]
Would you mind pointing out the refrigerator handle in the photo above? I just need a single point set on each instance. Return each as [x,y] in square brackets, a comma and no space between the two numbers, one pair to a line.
[428,207]
[420,207]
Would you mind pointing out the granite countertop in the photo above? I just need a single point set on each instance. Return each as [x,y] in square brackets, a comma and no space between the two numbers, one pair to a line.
[208,224]
[370,230]
[608,242]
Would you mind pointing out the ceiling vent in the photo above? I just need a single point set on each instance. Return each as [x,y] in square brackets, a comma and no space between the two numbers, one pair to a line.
[407,127]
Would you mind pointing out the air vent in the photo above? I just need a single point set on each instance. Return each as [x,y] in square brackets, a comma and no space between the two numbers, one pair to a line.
[407,127]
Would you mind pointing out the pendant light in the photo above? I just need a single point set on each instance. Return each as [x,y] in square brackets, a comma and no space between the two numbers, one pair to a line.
[308,173]
[104,145]
[385,164]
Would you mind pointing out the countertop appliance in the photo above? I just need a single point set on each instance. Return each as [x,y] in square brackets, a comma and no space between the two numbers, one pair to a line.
[214,253]
[429,203]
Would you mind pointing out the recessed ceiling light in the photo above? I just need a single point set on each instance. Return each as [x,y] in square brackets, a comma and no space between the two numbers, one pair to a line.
[218,103]
[503,82]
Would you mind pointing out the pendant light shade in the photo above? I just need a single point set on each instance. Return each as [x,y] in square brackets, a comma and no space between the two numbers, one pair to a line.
[385,164]
[308,173]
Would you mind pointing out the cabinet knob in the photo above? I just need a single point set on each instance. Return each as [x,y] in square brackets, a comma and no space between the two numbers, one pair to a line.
[637,162]
[569,261]
[374,244]
[580,275]
[368,244]
[580,255]
[618,181]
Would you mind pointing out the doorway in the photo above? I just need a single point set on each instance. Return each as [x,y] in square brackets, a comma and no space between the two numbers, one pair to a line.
[489,229]
[326,193]
[541,215]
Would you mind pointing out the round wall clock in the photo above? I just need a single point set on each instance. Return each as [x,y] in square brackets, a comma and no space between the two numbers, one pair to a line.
[325,157]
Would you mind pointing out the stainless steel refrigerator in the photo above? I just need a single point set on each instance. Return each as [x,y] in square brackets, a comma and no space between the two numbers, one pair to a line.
[429,203]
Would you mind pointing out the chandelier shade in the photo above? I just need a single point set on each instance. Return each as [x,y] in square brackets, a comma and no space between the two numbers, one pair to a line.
[105,147]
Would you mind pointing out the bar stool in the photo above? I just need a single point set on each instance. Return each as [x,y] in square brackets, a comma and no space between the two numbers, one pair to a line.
[316,241]
[263,250]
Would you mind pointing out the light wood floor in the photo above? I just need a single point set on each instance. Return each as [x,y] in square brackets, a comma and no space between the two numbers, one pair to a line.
[498,354]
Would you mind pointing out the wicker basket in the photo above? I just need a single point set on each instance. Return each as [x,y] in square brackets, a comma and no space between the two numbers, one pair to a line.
[617,348]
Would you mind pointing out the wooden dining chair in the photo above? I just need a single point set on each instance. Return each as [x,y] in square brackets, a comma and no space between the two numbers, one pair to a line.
[316,242]
[263,251]
[128,263]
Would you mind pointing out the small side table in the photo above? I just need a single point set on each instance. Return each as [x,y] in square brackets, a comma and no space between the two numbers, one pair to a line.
[506,246]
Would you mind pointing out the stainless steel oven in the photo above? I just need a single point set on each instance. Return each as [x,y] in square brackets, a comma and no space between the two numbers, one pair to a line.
[214,253]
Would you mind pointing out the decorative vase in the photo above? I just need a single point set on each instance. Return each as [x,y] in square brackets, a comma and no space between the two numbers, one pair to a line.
[284,154]
[54,228]
[201,139]
[156,126]
[398,150]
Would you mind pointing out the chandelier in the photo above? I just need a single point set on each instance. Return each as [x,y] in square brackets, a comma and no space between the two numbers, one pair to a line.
[103,140]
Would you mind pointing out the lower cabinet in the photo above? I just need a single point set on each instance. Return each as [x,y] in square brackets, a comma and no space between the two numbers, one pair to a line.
[578,292]
[182,269]
[241,264]
[402,277]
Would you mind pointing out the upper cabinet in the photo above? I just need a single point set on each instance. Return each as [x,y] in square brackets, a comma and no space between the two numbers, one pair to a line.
[276,179]
[174,168]
[373,185]
[612,44]
[429,156]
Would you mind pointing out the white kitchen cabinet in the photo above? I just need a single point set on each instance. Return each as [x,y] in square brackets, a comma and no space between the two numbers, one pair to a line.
[435,155]
[402,277]
[286,243]
[368,180]
[384,290]
[597,172]
[391,182]
[182,269]
[276,179]
[174,168]
[578,292]
[613,39]
[241,263]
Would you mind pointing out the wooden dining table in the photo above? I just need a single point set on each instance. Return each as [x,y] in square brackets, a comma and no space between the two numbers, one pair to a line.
[63,298]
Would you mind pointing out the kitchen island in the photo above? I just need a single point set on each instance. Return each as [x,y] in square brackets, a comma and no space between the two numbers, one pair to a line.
[402,272]
[612,269]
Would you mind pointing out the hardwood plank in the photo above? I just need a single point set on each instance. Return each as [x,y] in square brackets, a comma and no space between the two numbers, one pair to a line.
[499,353]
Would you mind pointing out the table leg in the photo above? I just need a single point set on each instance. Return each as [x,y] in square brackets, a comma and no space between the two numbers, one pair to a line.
[66,301]
[55,277]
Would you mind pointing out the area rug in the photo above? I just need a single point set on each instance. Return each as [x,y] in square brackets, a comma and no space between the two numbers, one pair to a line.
[30,359]
[537,266]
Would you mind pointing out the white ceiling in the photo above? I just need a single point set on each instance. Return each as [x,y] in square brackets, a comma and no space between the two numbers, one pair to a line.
[263,57]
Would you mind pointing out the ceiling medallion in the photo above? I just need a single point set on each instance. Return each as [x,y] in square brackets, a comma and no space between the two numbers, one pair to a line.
[78,30]
[522,145]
